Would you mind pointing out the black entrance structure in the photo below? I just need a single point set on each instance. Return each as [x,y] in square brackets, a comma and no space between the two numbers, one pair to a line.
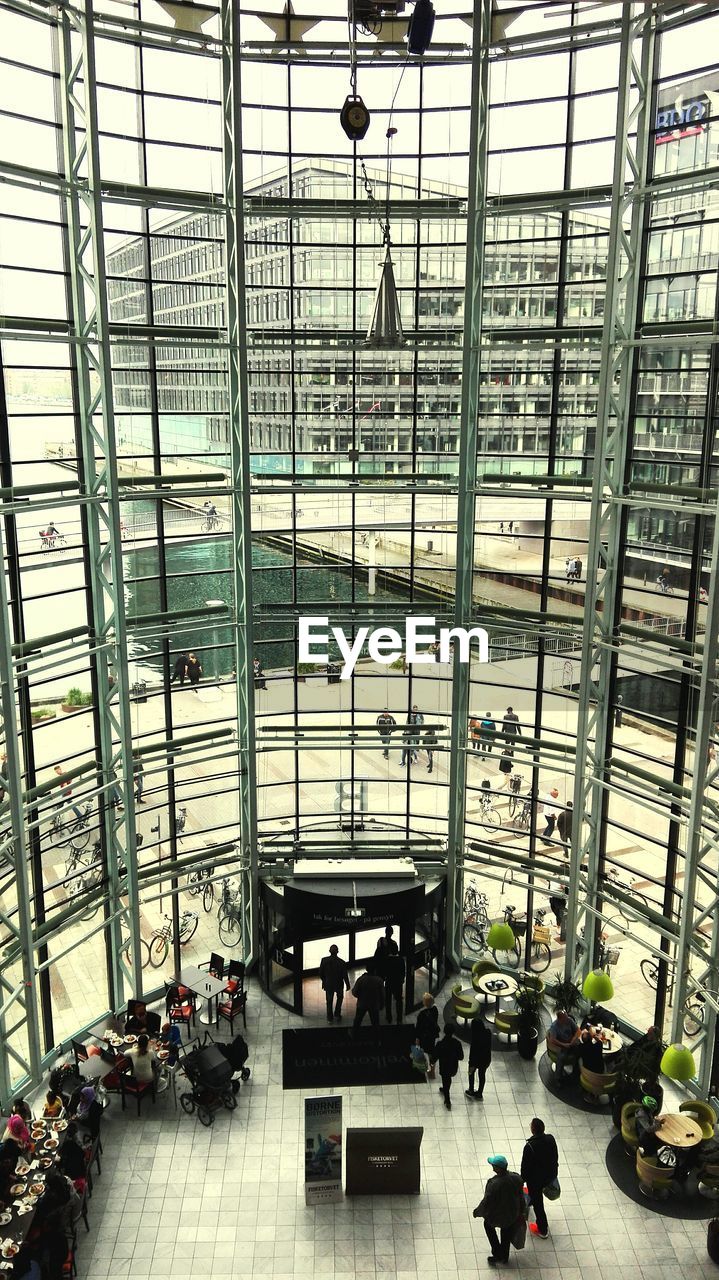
[300,911]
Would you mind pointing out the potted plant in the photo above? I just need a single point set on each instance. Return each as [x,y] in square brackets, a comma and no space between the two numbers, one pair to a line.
[528,1001]
[566,995]
[76,700]
[37,714]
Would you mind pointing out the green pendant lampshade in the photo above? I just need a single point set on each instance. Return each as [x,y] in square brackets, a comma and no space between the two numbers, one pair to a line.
[501,937]
[598,986]
[678,1062]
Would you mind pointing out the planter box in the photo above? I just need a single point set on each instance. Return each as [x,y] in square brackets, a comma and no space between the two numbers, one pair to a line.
[68,708]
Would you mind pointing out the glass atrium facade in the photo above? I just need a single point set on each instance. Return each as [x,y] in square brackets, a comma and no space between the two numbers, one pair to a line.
[200,444]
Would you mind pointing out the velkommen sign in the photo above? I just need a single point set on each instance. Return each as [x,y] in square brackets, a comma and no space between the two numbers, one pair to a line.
[385,644]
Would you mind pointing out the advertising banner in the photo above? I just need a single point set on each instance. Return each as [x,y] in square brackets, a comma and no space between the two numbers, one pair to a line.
[323,1150]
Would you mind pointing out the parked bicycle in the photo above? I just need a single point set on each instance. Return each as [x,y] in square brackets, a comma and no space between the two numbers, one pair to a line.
[229,915]
[126,950]
[67,827]
[629,887]
[83,872]
[522,817]
[196,880]
[540,952]
[164,936]
[487,815]
[476,920]
[515,786]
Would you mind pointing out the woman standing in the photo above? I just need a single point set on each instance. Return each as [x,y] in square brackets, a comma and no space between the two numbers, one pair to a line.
[506,766]
[428,1027]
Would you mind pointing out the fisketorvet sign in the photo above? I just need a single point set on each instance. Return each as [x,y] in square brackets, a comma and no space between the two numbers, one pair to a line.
[385,644]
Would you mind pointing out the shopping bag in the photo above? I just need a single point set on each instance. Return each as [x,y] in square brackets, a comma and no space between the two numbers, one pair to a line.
[552,1191]
[519,1233]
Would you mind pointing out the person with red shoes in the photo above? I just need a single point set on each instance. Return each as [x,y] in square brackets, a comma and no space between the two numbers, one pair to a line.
[540,1165]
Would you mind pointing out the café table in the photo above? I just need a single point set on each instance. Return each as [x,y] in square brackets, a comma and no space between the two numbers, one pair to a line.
[506,986]
[206,986]
[611,1040]
[679,1131]
[121,1043]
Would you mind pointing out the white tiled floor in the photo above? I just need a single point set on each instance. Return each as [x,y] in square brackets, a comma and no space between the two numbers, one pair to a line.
[177,1200]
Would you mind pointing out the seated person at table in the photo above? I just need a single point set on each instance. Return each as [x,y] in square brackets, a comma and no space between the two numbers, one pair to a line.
[20,1108]
[16,1131]
[171,1039]
[10,1152]
[647,1050]
[53,1105]
[81,1102]
[648,1126]
[73,1160]
[562,1039]
[591,1052]
[144,1061]
[137,1020]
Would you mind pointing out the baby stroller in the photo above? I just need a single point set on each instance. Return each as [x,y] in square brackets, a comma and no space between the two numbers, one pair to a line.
[237,1054]
[210,1076]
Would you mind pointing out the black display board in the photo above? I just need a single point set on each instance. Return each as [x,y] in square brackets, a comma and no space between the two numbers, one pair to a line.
[383,1162]
[322,905]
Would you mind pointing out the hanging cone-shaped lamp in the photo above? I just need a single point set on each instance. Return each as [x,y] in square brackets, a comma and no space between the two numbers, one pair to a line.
[385,327]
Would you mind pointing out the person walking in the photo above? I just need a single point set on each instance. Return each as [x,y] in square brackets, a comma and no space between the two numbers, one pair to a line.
[558,904]
[540,1166]
[258,674]
[411,735]
[448,1053]
[194,670]
[335,980]
[138,773]
[480,1056]
[502,1207]
[551,812]
[577,569]
[510,724]
[179,671]
[487,733]
[430,742]
[506,764]
[564,825]
[474,733]
[385,724]
[368,991]
[66,792]
[427,1027]
[393,984]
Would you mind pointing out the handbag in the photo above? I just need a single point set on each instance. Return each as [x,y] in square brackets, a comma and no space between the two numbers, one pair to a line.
[519,1233]
[552,1191]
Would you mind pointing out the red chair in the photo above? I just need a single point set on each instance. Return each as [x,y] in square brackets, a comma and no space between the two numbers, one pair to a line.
[139,1089]
[232,1008]
[179,1004]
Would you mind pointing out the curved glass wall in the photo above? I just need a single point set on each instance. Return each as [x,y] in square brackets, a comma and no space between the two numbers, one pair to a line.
[201,445]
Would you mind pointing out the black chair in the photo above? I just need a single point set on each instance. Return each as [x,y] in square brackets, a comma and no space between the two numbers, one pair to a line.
[217,965]
[154,1023]
[179,1008]
[138,1089]
[235,976]
[232,1008]
[81,1054]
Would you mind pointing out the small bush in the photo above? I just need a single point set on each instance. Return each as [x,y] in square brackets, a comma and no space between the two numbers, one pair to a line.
[42,713]
[76,698]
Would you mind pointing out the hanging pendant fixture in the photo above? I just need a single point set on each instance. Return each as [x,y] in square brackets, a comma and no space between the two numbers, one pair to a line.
[385,326]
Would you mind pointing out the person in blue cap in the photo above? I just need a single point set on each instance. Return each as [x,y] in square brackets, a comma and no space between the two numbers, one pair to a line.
[501,1207]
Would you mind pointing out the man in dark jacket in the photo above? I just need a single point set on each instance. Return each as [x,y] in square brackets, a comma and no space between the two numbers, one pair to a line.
[368,991]
[448,1053]
[335,981]
[480,1056]
[540,1165]
[393,983]
[385,724]
[502,1205]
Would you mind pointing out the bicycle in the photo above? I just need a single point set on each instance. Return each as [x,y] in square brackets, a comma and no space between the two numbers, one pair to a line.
[628,887]
[476,920]
[515,785]
[540,952]
[126,949]
[180,822]
[210,523]
[229,916]
[163,936]
[195,881]
[83,873]
[73,830]
[487,815]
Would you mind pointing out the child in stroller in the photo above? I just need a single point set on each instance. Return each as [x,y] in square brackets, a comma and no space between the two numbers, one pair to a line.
[237,1054]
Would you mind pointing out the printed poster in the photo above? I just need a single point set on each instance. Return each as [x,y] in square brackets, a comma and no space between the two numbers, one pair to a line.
[323,1150]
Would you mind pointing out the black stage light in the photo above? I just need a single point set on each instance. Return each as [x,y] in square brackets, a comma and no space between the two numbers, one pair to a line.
[421,26]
